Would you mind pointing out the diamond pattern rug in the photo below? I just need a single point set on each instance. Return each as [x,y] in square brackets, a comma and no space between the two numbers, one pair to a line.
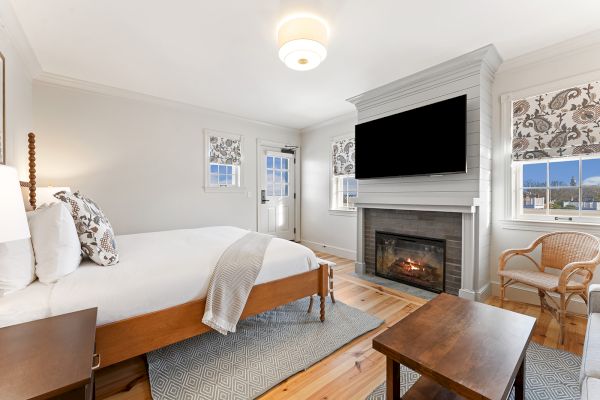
[549,375]
[265,350]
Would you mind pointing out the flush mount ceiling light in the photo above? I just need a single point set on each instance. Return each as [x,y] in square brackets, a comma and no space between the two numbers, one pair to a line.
[302,40]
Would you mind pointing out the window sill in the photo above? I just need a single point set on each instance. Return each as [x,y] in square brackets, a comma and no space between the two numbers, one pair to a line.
[343,213]
[549,226]
[224,189]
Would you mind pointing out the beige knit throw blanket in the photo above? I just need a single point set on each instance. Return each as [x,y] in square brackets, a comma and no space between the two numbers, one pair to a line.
[232,281]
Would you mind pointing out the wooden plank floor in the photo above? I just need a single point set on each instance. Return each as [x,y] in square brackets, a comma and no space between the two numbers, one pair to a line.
[356,369]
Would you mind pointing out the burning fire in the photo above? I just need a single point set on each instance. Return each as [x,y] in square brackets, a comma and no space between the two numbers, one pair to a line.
[412,265]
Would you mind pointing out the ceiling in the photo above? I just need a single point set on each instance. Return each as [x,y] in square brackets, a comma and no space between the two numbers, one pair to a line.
[222,54]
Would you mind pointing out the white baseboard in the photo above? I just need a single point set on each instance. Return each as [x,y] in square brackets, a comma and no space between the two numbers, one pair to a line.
[480,295]
[334,250]
[527,294]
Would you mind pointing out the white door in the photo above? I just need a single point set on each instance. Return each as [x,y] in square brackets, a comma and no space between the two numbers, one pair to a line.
[276,208]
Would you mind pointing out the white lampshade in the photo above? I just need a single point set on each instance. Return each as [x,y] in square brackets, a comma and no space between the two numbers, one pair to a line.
[13,220]
[45,194]
[302,40]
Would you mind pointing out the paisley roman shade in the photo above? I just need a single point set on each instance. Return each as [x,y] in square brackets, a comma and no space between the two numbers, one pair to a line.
[343,156]
[225,150]
[557,124]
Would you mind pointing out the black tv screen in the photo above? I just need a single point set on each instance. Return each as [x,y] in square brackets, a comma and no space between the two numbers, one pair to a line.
[427,140]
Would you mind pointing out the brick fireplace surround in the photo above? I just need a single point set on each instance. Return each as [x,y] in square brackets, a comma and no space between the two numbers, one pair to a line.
[429,224]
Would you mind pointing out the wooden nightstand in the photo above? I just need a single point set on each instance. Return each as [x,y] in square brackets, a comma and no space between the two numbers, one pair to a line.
[49,358]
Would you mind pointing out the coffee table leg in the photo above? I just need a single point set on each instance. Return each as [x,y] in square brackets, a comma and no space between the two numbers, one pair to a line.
[392,380]
[520,382]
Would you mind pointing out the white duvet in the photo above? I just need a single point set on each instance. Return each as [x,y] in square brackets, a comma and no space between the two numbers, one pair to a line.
[157,270]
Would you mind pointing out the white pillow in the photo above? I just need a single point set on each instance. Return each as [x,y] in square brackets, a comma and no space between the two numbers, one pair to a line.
[55,242]
[16,265]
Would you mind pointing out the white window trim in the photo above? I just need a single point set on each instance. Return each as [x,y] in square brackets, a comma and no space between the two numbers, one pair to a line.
[348,212]
[222,189]
[576,219]
[512,220]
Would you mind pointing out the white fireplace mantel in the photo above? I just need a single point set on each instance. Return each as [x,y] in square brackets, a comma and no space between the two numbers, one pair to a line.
[418,203]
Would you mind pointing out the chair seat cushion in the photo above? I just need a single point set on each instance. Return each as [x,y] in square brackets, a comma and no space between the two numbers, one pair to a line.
[590,389]
[590,362]
[540,280]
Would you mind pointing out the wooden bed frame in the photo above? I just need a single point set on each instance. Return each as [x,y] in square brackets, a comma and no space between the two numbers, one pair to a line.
[131,337]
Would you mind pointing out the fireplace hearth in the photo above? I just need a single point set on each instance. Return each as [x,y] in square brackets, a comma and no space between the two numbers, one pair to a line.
[413,260]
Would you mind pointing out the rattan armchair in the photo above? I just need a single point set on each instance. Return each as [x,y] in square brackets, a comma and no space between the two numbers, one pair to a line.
[576,254]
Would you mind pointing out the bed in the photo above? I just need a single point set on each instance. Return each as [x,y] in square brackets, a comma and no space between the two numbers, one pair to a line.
[155,295]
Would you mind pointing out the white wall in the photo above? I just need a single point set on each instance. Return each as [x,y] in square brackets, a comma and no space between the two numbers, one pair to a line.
[331,232]
[142,159]
[18,97]
[573,62]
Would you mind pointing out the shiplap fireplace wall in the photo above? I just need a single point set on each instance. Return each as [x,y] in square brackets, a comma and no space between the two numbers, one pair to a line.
[468,194]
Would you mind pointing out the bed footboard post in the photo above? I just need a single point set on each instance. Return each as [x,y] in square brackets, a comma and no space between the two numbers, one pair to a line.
[323,287]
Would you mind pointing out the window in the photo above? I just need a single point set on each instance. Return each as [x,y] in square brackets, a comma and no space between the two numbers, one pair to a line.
[561,189]
[224,158]
[344,186]
[223,175]
[556,155]
[278,176]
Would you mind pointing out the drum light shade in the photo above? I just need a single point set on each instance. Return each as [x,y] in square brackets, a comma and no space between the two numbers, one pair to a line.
[302,41]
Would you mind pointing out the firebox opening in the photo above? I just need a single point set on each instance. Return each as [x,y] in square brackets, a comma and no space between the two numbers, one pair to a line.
[413,260]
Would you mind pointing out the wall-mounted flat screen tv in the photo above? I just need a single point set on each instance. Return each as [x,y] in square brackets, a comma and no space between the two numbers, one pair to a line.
[428,140]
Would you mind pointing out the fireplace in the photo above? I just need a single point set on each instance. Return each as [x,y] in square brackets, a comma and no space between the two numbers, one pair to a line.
[413,260]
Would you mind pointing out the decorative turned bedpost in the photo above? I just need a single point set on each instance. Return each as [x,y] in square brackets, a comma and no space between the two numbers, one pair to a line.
[323,287]
[31,140]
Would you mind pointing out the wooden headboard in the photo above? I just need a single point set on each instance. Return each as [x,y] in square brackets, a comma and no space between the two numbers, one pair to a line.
[31,184]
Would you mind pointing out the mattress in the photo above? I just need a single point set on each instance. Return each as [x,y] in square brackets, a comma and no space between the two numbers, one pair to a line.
[156,270]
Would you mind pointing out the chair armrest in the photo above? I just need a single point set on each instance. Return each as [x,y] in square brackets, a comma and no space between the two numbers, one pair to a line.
[508,254]
[581,268]
[594,299]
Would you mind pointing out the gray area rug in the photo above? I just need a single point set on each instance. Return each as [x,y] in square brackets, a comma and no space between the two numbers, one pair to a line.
[265,350]
[549,375]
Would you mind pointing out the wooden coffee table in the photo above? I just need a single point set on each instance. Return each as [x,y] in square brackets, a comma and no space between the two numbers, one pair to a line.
[461,348]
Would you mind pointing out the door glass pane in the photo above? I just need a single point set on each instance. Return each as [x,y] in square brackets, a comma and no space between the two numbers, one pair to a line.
[285,163]
[269,175]
[269,189]
[269,162]
[564,201]
[277,176]
[534,175]
[277,162]
[277,190]
[564,173]
[285,192]
[284,177]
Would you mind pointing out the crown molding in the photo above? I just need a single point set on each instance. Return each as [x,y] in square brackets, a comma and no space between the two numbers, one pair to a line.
[485,58]
[9,23]
[347,117]
[56,80]
[578,44]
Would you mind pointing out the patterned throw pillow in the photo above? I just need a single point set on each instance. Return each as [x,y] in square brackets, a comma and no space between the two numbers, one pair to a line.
[95,232]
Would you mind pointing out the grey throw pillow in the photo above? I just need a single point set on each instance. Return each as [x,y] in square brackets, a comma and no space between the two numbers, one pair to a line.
[93,228]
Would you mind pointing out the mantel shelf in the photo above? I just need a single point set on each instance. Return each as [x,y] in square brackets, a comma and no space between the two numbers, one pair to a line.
[419,203]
